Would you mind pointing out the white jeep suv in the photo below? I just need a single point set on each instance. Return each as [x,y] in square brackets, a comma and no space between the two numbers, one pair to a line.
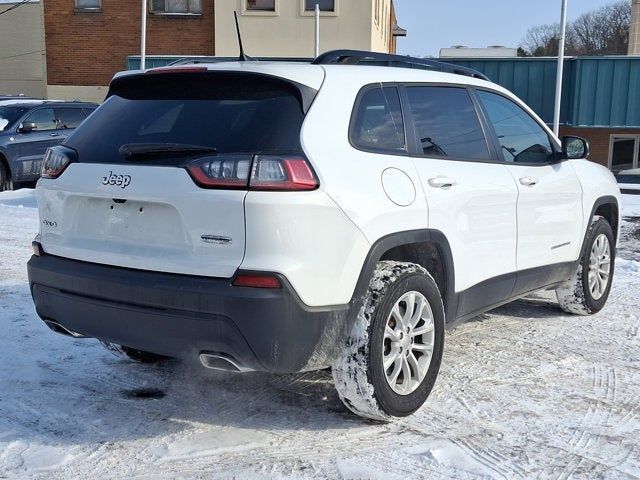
[284,217]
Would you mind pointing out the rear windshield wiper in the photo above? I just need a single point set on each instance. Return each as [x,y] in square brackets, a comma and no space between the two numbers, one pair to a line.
[130,150]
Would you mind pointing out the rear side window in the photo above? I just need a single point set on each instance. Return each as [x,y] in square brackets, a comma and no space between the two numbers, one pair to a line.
[70,117]
[377,124]
[446,123]
[521,138]
[230,112]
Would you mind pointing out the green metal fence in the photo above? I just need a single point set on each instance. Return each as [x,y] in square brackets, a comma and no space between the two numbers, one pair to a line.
[598,91]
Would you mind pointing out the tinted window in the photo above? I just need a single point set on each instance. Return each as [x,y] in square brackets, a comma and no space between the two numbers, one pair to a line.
[233,113]
[45,119]
[325,5]
[446,123]
[70,117]
[622,151]
[263,5]
[522,139]
[10,115]
[378,123]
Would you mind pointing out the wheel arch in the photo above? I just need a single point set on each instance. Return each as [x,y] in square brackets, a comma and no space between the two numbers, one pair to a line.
[608,208]
[425,247]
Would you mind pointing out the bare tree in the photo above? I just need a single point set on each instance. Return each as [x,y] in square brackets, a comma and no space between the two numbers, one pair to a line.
[604,31]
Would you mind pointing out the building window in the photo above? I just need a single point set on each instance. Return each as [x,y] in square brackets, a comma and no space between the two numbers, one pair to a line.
[325,5]
[88,5]
[328,8]
[624,152]
[176,6]
[261,5]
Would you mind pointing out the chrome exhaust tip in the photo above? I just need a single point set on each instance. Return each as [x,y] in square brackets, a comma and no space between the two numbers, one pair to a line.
[58,328]
[222,362]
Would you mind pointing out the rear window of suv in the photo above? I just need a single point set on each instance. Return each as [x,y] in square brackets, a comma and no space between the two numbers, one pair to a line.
[230,112]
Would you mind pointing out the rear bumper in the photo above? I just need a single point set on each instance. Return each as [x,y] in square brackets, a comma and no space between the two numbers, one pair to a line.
[183,316]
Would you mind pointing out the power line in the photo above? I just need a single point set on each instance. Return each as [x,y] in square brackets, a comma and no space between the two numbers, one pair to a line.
[13,7]
[22,54]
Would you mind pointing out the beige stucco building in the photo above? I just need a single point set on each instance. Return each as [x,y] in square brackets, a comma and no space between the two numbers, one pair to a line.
[285,28]
[634,34]
[22,48]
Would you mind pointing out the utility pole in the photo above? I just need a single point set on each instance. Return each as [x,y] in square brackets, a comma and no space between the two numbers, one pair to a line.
[143,37]
[561,42]
[317,21]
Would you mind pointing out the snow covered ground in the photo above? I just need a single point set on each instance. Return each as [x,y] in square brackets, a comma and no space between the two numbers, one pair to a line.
[525,392]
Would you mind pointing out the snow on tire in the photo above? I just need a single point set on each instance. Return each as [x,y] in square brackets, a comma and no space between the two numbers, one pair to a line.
[587,294]
[391,359]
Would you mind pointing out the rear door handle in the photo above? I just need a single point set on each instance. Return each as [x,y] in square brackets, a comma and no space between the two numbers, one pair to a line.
[54,134]
[528,181]
[442,182]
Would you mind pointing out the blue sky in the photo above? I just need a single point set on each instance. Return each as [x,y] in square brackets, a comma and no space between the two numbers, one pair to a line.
[434,24]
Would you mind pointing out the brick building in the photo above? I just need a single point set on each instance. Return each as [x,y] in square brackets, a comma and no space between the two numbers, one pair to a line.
[88,41]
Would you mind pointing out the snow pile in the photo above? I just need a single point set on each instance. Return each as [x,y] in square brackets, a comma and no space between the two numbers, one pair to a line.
[631,205]
[24,197]
[524,392]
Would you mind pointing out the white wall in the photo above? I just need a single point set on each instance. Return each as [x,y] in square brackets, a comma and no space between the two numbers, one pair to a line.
[290,33]
[85,93]
[22,55]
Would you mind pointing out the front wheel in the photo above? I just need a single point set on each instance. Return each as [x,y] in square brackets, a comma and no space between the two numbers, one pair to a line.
[4,184]
[587,291]
[392,357]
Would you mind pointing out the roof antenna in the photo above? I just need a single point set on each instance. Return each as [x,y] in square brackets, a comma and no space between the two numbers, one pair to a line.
[243,56]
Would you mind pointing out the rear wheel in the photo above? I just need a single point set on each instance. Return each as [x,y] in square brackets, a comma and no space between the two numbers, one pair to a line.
[587,291]
[132,354]
[391,359]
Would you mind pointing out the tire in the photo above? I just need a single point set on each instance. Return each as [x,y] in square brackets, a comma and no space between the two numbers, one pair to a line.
[131,354]
[359,374]
[587,294]
[3,177]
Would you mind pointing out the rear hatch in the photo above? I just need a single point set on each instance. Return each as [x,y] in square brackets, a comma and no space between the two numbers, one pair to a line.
[131,195]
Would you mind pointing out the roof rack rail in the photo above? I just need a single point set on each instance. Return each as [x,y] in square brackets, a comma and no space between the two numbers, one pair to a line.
[355,57]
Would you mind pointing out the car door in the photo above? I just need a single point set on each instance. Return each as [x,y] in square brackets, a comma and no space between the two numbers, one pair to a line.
[471,196]
[550,195]
[27,149]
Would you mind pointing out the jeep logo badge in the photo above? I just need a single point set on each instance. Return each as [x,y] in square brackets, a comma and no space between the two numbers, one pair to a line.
[121,181]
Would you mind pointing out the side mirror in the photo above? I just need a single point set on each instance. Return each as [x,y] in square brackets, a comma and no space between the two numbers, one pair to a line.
[574,148]
[27,127]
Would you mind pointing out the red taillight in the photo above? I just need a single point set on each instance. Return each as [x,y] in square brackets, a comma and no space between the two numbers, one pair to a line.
[230,172]
[277,173]
[257,281]
[56,160]
[261,172]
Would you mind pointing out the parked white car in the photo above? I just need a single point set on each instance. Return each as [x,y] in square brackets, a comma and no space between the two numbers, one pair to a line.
[629,183]
[290,217]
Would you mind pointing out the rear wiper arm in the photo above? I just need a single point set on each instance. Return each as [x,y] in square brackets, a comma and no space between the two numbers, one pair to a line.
[129,150]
